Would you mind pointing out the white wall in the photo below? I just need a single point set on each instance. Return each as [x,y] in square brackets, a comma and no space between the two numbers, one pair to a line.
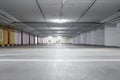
[100,37]
[108,35]
[112,35]
[84,38]
[94,37]
[97,37]
[88,38]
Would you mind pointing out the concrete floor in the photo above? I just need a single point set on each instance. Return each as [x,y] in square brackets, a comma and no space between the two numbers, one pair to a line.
[59,62]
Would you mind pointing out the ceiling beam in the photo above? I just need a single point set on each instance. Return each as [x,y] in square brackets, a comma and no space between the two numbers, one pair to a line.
[59,33]
[55,35]
[58,30]
[57,23]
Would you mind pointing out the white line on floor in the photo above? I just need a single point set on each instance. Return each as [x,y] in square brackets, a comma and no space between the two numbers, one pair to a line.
[61,60]
[10,54]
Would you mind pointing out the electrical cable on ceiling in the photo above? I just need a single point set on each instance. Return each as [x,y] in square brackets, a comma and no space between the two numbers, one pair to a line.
[87,10]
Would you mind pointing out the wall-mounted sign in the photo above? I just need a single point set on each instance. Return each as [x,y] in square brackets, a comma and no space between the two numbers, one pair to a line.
[1,35]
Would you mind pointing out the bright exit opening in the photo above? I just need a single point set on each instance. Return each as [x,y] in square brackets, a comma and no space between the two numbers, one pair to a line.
[54,40]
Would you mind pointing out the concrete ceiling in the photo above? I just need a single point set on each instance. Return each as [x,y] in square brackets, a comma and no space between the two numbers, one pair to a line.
[39,14]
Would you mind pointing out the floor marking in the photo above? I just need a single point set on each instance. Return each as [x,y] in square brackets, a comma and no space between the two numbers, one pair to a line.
[61,60]
[10,54]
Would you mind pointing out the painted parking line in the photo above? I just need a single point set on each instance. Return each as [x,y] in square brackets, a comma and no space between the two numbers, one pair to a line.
[10,54]
[61,60]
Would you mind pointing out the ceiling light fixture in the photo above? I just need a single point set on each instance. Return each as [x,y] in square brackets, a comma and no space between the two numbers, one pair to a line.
[59,20]
[50,37]
[57,28]
[59,37]
[58,31]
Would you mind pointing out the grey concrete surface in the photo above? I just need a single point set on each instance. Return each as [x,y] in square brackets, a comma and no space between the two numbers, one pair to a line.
[59,62]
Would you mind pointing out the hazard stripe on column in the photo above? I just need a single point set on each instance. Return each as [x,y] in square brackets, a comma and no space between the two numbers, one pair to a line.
[37,40]
[8,36]
[29,38]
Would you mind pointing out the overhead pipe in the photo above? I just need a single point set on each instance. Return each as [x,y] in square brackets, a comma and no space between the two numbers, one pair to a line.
[11,21]
[6,17]
[99,25]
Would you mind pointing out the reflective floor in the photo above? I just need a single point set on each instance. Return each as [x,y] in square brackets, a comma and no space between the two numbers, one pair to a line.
[59,62]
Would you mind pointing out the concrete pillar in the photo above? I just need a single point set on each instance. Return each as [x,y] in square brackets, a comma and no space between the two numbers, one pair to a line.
[88,38]
[94,37]
[81,38]
[21,37]
[111,35]
[34,39]
[85,38]
[97,37]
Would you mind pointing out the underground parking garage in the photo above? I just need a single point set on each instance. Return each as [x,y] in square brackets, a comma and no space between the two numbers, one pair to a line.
[59,39]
